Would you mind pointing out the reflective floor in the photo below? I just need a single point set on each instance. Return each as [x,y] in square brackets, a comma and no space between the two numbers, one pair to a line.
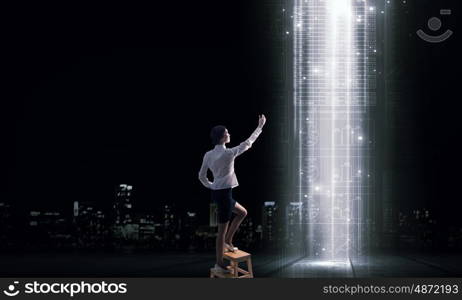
[377,266]
[197,265]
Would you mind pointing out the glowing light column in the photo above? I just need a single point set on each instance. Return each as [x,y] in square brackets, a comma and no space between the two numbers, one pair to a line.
[331,96]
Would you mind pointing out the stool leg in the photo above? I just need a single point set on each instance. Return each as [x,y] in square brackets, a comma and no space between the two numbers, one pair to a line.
[249,267]
[235,265]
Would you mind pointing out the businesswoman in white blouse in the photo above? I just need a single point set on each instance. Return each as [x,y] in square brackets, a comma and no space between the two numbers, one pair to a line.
[220,160]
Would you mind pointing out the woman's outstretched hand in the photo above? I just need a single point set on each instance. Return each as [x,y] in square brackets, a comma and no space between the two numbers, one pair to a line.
[261,121]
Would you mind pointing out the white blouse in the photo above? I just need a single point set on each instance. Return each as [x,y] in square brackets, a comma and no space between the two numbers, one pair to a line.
[220,161]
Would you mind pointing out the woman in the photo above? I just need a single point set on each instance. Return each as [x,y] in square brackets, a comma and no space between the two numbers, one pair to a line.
[220,161]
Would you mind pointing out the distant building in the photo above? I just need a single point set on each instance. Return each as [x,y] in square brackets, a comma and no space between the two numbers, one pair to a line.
[189,230]
[146,226]
[269,218]
[123,206]
[294,223]
[191,222]
[171,226]
[90,223]
[169,217]
[47,228]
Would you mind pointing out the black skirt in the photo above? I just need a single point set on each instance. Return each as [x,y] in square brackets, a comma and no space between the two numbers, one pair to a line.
[225,204]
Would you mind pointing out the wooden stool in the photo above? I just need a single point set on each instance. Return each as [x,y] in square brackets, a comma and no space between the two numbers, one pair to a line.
[235,258]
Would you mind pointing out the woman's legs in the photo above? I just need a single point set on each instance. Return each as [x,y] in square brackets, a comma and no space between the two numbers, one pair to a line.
[240,212]
[222,228]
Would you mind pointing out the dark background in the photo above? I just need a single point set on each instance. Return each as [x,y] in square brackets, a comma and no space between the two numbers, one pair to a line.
[121,93]
[426,152]
[97,95]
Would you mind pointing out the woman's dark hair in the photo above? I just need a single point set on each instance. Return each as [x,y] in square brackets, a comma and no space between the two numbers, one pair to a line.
[217,133]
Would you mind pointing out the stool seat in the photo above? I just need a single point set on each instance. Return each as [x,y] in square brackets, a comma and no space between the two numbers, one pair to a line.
[237,256]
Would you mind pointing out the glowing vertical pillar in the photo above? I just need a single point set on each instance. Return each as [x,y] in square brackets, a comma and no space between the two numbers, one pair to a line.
[331,96]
